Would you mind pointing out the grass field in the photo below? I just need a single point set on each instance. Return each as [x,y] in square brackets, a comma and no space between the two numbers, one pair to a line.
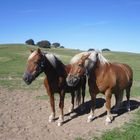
[13,63]
[129,131]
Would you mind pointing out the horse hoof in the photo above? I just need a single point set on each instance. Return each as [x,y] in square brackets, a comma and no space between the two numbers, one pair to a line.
[51,118]
[90,118]
[70,116]
[128,109]
[60,123]
[108,121]
[70,110]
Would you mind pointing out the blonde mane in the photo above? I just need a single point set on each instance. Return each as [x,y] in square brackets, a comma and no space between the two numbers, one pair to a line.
[91,58]
[51,58]
[102,59]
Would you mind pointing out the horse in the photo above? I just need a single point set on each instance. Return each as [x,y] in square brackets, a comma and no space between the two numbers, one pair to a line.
[103,77]
[55,80]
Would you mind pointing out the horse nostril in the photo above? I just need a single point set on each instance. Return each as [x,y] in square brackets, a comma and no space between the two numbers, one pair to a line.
[25,78]
[74,79]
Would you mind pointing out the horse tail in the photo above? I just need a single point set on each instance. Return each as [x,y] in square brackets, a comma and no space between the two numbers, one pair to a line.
[80,93]
[78,96]
[128,88]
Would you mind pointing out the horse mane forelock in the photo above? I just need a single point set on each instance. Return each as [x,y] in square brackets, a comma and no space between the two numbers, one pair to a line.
[77,57]
[32,55]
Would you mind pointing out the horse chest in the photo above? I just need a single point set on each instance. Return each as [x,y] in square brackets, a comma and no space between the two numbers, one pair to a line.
[53,84]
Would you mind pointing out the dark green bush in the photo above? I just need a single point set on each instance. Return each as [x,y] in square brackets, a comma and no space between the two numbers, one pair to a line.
[105,49]
[56,45]
[44,44]
[30,42]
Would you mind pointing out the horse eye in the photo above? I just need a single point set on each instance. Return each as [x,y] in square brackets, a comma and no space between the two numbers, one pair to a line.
[80,65]
[36,62]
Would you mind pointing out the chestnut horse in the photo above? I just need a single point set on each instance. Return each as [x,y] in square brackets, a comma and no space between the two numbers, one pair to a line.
[103,77]
[55,80]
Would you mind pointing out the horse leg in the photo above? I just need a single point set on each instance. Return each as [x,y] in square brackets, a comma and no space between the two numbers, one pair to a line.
[108,106]
[52,103]
[115,109]
[72,102]
[61,106]
[93,105]
[118,98]
[83,98]
[83,89]
[128,98]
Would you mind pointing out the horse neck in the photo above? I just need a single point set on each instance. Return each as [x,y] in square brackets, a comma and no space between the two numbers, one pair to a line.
[101,68]
[54,71]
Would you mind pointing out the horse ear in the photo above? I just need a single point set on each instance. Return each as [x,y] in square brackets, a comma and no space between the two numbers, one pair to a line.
[39,51]
[31,51]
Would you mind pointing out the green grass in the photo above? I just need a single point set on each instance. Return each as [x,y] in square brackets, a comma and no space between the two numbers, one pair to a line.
[13,59]
[13,64]
[129,131]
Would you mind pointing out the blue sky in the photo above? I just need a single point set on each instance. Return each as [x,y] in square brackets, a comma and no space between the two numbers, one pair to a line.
[78,24]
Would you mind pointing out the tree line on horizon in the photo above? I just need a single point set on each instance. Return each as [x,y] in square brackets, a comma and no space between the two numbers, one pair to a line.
[47,44]
[44,44]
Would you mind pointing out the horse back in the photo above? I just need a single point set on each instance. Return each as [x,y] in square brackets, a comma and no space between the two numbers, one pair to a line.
[114,76]
[123,75]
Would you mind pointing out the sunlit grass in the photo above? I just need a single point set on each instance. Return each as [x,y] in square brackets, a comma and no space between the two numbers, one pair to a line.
[127,132]
[13,59]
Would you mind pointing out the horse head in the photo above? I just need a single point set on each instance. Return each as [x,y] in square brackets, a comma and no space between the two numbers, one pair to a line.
[77,71]
[84,63]
[35,66]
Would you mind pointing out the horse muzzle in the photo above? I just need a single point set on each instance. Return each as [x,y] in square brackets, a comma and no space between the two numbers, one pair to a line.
[72,80]
[28,78]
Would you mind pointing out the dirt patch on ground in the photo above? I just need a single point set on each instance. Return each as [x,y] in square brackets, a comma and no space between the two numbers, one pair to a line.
[23,117]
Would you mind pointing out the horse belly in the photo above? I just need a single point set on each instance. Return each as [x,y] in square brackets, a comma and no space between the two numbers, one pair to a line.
[102,87]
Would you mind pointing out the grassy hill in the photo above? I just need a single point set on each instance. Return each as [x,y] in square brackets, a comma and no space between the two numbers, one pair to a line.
[13,59]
